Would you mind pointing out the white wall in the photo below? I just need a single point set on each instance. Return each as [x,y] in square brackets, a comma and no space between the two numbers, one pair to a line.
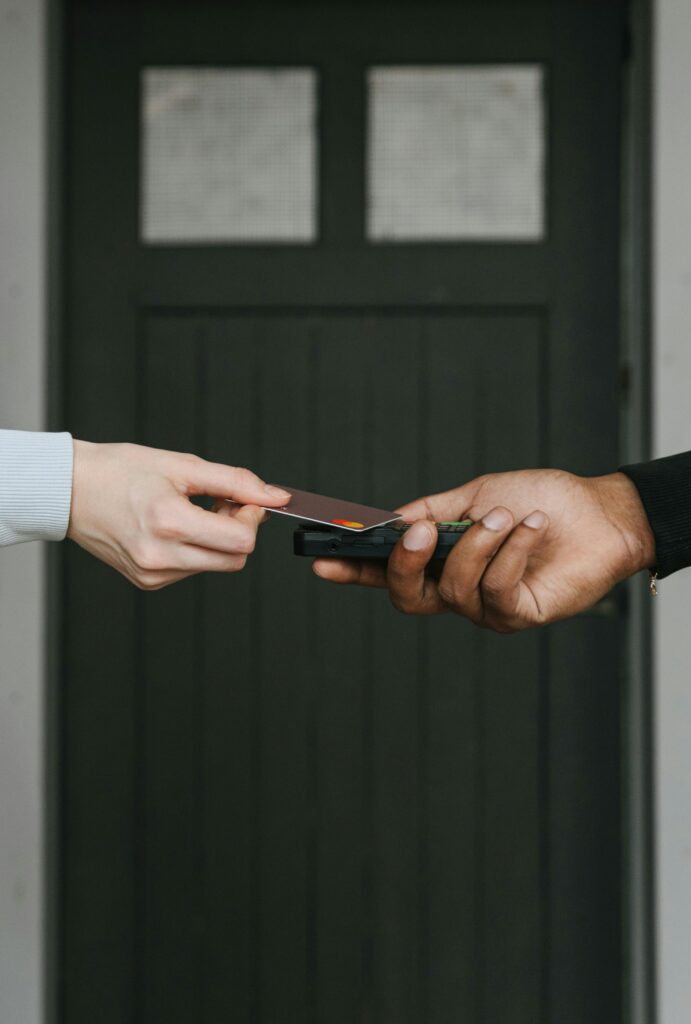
[672,427]
[22,66]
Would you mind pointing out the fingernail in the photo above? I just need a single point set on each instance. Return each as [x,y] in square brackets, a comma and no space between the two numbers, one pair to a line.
[276,492]
[498,519]
[419,536]
[536,520]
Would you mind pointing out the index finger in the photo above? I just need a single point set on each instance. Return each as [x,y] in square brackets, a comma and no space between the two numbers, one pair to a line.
[445,505]
[342,570]
[234,482]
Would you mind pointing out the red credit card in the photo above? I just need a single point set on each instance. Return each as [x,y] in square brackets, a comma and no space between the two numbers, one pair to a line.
[346,515]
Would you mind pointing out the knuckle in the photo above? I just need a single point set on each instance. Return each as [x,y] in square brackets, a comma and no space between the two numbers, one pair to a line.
[503,628]
[402,603]
[164,523]
[145,557]
[395,577]
[482,481]
[243,474]
[247,541]
[448,592]
[147,581]
[504,623]
[493,587]
[185,462]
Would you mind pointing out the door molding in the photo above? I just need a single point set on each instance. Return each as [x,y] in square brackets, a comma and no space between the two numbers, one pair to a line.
[637,711]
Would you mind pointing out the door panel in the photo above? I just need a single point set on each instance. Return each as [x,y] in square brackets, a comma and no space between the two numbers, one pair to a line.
[342,782]
[284,801]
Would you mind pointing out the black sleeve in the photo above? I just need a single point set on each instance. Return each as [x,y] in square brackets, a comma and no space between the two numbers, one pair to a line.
[665,489]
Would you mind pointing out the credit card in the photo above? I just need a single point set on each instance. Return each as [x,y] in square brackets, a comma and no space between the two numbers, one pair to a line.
[346,515]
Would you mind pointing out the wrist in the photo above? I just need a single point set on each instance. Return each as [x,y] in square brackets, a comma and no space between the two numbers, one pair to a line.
[82,454]
[622,505]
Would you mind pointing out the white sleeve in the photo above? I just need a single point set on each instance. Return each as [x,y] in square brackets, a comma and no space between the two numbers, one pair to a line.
[35,485]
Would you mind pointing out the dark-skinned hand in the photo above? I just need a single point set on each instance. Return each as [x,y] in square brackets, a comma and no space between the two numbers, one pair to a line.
[545,545]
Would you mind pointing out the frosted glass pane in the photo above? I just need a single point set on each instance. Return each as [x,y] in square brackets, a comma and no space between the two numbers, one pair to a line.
[228,155]
[456,153]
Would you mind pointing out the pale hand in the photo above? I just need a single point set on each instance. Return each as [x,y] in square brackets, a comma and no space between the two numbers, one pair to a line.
[131,508]
[545,545]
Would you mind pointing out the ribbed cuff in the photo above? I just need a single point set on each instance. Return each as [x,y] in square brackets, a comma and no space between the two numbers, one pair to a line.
[665,489]
[35,486]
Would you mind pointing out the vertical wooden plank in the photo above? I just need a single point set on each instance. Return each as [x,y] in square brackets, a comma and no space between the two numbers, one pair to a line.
[393,423]
[585,656]
[509,811]
[510,819]
[453,875]
[231,413]
[284,656]
[585,90]
[341,637]
[585,820]
[97,821]
[510,381]
[170,718]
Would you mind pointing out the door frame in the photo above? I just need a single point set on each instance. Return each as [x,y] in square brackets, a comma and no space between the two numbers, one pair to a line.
[55,248]
[638,894]
[637,711]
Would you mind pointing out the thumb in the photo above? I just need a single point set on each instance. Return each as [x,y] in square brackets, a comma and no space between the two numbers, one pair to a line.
[233,482]
[230,510]
[252,516]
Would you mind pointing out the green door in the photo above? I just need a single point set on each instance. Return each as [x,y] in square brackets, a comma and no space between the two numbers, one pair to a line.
[282,801]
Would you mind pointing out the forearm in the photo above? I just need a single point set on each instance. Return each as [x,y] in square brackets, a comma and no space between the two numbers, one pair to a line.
[35,485]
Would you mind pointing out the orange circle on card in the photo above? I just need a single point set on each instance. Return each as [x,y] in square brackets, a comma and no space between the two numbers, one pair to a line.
[347,522]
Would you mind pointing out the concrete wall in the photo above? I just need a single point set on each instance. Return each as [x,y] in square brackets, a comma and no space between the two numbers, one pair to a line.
[22,327]
[672,433]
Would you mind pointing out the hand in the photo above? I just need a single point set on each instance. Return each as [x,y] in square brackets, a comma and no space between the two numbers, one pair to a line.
[131,509]
[545,545]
